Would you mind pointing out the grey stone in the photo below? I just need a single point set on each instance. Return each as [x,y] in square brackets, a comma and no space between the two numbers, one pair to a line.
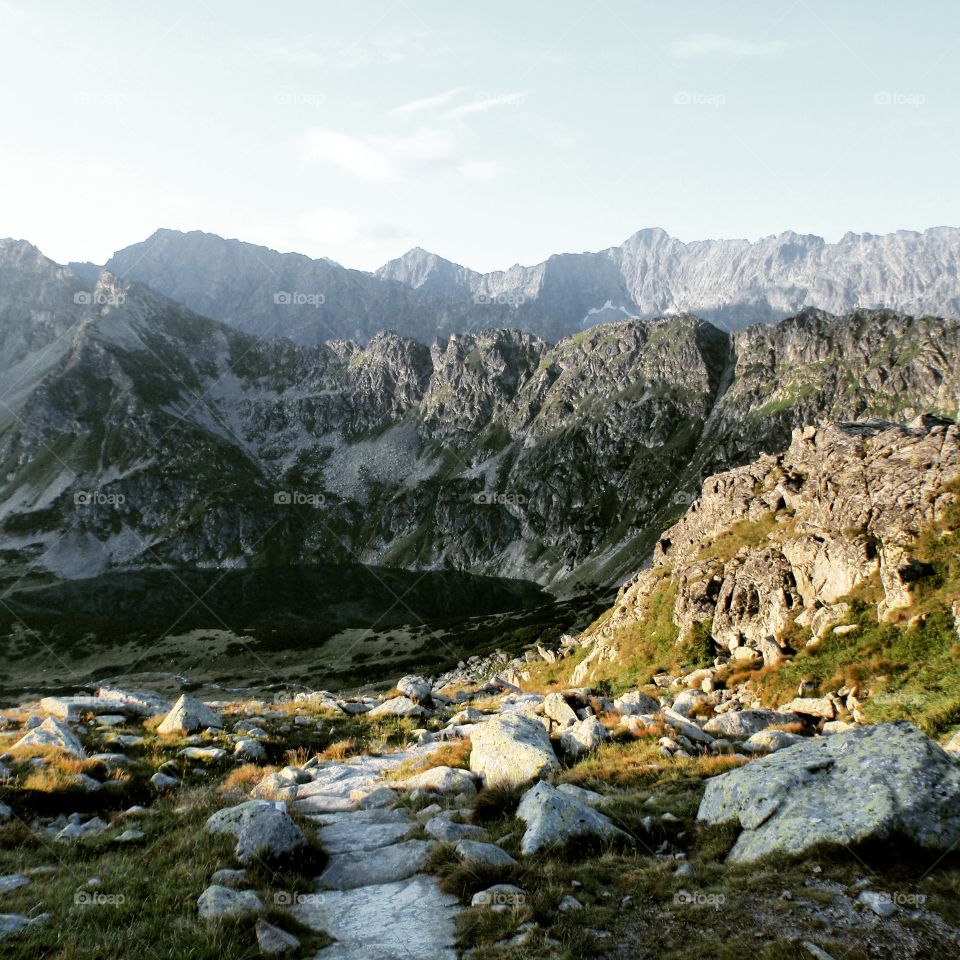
[53,734]
[745,723]
[443,828]
[398,707]
[188,715]
[13,881]
[583,736]
[409,920]
[473,851]
[250,749]
[500,897]
[440,780]
[556,708]
[416,688]
[273,941]
[222,903]
[554,817]
[634,702]
[768,741]
[879,903]
[511,750]
[378,866]
[349,835]
[229,878]
[263,830]
[871,784]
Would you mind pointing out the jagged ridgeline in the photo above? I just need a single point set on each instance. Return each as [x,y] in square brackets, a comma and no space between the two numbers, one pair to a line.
[136,433]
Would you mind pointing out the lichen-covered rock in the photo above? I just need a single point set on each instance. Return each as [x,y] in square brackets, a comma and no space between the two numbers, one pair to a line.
[554,817]
[874,783]
[222,903]
[511,750]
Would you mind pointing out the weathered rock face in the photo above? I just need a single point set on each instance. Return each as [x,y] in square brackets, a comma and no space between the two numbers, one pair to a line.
[511,750]
[843,503]
[869,784]
[263,830]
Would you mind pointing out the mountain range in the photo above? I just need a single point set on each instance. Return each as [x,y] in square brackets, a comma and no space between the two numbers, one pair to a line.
[731,283]
[135,432]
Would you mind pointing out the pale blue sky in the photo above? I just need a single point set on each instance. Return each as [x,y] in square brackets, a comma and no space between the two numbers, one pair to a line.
[491,133]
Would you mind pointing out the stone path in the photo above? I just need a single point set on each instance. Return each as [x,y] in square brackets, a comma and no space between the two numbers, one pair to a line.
[372,896]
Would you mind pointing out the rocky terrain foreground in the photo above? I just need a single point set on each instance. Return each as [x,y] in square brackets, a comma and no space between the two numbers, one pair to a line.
[471,820]
[753,753]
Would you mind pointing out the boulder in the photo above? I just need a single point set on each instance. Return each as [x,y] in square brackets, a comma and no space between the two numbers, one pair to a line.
[812,707]
[474,851]
[583,736]
[51,734]
[634,702]
[222,903]
[274,942]
[685,727]
[444,829]
[511,750]
[686,701]
[377,866]
[188,715]
[398,707]
[440,779]
[135,702]
[250,750]
[554,817]
[556,708]
[274,786]
[874,783]
[416,688]
[767,741]
[263,830]
[745,723]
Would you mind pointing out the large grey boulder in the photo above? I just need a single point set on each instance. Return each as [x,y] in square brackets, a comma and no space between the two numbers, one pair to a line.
[511,750]
[380,865]
[553,817]
[264,830]
[51,734]
[873,783]
[188,715]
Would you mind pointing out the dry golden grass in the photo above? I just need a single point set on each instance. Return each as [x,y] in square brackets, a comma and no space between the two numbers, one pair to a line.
[342,749]
[244,779]
[455,754]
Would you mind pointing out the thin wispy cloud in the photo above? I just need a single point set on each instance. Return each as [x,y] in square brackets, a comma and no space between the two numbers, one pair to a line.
[718,45]
[482,103]
[480,170]
[346,152]
[427,103]
[307,51]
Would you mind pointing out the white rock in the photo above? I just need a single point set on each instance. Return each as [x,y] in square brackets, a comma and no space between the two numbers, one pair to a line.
[511,750]
[54,734]
[188,715]
[554,817]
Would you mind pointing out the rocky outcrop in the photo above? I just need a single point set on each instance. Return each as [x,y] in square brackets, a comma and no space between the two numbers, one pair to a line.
[882,782]
[842,504]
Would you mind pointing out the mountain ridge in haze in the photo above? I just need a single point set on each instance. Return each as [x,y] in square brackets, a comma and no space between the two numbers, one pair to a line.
[732,283]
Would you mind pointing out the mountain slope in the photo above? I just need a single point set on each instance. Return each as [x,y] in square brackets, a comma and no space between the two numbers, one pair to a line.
[490,452]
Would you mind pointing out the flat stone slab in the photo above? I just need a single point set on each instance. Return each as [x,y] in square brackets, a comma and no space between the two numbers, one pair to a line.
[348,835]
[325,803]
[410,920]
[347,871]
